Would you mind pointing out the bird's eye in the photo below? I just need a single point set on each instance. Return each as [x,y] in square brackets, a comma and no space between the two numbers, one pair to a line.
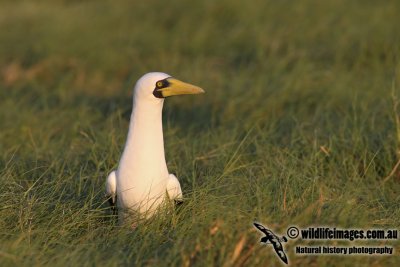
[159,84]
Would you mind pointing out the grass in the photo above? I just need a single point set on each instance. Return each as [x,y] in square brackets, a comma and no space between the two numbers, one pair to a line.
[299,126]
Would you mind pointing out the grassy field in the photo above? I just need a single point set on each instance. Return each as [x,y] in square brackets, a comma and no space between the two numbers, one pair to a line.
[299,126]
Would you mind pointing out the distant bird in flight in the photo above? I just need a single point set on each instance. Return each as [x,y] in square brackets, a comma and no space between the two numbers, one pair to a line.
[274,240]
[142,182]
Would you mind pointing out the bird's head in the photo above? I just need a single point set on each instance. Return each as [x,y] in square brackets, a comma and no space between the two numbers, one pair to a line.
[158,85]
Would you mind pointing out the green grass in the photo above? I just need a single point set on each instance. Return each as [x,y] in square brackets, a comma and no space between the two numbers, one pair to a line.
[299,126]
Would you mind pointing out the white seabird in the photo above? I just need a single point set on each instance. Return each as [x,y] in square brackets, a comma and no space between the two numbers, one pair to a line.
[142,181]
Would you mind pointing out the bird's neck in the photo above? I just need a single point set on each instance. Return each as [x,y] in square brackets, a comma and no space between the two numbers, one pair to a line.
[144,149]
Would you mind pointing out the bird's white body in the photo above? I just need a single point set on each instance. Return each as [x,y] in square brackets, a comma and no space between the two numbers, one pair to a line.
[142,181]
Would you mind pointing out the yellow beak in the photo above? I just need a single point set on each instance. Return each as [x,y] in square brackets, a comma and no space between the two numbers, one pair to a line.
[177,87]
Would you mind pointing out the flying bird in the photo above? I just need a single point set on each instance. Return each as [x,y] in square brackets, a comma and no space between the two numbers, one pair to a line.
[142,182]
[274,240]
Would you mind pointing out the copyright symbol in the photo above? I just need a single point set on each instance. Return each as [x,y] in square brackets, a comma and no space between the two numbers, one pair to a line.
[293,232]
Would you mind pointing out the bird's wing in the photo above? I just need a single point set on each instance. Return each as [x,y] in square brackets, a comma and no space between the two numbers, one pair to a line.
[261,228]
[111,188]
[174,188]
[279,250]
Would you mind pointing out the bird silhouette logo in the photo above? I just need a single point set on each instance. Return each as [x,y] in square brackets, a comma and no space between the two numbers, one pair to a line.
[271,238]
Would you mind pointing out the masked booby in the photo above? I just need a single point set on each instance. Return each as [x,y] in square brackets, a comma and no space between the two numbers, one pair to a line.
[142,182]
